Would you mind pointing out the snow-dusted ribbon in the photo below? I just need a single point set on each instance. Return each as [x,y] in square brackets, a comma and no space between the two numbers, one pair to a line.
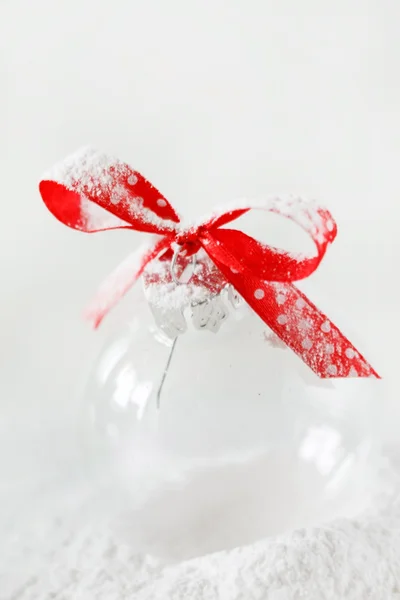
[91,192]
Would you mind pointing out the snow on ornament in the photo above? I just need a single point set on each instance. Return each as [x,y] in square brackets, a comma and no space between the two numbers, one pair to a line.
[212,435]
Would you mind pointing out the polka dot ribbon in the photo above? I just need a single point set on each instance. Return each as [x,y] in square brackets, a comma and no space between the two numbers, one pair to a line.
[91,192]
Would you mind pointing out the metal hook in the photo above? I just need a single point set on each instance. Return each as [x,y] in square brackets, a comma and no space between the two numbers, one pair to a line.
[175,279]
[164,375]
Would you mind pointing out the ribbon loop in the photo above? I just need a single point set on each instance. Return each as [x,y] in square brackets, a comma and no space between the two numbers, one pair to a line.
[91,192]
[265,262]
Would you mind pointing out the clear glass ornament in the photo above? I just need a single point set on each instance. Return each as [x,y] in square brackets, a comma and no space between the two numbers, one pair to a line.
[213,434]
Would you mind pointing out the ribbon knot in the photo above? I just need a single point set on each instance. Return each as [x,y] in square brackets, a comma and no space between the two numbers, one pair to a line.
[188,239]
[92,192]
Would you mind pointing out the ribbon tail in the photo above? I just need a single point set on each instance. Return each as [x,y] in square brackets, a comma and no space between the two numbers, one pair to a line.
[295,320]
[310,333]
[122,279]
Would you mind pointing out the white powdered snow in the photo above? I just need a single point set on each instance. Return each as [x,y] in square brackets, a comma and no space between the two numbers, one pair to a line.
[70,553]
[86,168]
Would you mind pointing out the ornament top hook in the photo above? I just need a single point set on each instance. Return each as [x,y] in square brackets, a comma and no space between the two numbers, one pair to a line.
[177,251]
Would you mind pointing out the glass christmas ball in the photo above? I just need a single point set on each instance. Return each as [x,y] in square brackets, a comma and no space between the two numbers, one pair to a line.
[213,434]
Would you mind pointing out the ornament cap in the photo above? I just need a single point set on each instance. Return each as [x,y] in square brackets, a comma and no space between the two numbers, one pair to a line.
[204,300]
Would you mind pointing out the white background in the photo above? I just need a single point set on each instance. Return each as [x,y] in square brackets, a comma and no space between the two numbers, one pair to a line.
[210,100]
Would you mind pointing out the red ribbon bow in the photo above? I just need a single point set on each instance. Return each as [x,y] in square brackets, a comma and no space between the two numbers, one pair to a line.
[92,192]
